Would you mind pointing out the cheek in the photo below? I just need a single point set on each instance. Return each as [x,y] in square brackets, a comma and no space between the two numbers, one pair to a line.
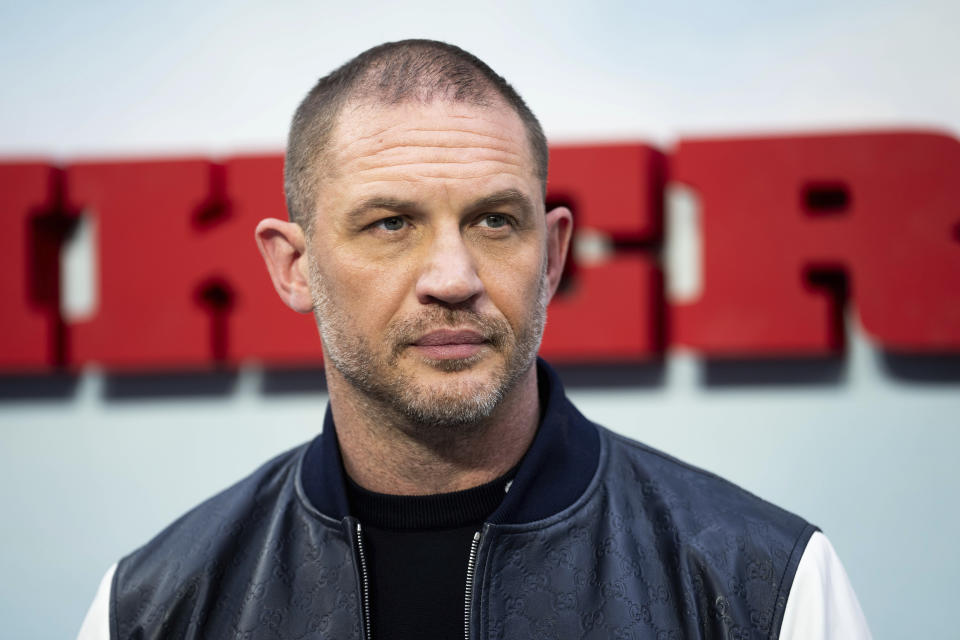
[513,285]
[370,292]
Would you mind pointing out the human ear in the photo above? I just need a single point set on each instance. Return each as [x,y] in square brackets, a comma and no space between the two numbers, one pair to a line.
[559,230]
[283,248]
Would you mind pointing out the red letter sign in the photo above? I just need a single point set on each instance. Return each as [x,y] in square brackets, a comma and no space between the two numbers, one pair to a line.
[612,311]
[181,281]
[780,213]
[262,327]
[30,333]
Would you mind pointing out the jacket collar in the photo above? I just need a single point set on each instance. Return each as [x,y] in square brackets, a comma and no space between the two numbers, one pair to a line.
[553,473]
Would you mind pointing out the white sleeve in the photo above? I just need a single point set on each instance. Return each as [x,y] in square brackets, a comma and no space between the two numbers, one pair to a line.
[822,604]
[96,624]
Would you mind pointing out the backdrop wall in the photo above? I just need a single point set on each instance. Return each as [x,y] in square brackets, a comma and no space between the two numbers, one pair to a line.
[864,447]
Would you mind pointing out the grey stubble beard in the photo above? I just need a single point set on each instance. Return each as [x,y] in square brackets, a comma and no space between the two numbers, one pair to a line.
[376,375]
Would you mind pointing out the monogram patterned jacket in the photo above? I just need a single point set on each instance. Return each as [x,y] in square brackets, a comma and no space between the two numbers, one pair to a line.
[598,537]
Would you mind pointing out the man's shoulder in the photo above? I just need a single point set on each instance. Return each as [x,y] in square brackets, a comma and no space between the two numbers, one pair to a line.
[656,541]
[694,500]
[257,547]
[735,553]
[222,518]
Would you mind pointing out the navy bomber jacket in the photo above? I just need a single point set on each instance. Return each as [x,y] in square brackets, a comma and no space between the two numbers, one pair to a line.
[598,537]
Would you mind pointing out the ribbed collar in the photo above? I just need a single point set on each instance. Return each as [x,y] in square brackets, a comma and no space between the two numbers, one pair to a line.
[437,511]
[553,473]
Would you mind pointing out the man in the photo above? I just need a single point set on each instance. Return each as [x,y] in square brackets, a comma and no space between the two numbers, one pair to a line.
[454,490]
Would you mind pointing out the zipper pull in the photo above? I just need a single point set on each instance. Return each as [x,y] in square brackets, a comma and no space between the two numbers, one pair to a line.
[468,592]
[366,582]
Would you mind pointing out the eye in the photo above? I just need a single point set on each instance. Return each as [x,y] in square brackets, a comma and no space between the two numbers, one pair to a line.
[495,220]
[393,223]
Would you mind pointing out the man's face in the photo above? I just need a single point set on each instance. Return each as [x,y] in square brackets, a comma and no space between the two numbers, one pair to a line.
[428,257]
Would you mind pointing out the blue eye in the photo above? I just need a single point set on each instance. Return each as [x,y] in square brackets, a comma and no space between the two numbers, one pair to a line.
[393,223]
[495,220]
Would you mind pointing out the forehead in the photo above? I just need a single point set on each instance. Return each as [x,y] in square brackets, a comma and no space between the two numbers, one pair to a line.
[419,146]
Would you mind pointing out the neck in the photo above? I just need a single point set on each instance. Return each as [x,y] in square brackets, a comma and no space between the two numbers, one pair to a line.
[386,454]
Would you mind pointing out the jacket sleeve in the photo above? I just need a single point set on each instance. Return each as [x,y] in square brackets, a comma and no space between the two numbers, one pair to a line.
[96,624]
[822,604]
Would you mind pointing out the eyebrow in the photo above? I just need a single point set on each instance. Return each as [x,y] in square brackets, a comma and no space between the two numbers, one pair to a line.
[512,197]
[380,202]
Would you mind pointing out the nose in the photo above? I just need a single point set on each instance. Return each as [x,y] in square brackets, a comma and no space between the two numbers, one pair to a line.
[449,275]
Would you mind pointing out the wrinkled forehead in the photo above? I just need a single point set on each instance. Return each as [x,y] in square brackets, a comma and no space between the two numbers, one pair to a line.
[439,131]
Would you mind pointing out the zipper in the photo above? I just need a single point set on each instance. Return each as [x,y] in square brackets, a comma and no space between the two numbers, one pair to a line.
[468,592]
[366,583]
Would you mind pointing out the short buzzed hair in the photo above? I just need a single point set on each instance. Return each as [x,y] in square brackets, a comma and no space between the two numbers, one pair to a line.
[390,74]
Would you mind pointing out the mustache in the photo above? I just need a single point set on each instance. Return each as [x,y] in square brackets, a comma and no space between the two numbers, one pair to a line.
[408,330]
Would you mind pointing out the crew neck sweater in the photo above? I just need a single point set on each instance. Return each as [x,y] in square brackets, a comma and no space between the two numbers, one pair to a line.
[417,549]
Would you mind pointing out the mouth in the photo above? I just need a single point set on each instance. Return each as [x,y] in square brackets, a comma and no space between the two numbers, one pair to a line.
[450,344]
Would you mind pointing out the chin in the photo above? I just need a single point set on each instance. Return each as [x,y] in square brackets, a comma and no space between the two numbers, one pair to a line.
[459,391]
[444,410]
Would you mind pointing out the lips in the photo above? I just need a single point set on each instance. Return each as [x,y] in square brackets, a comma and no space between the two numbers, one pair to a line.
[449,337]
[447,344]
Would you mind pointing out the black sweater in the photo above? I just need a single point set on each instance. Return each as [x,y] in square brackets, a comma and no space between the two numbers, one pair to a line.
[417,548]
